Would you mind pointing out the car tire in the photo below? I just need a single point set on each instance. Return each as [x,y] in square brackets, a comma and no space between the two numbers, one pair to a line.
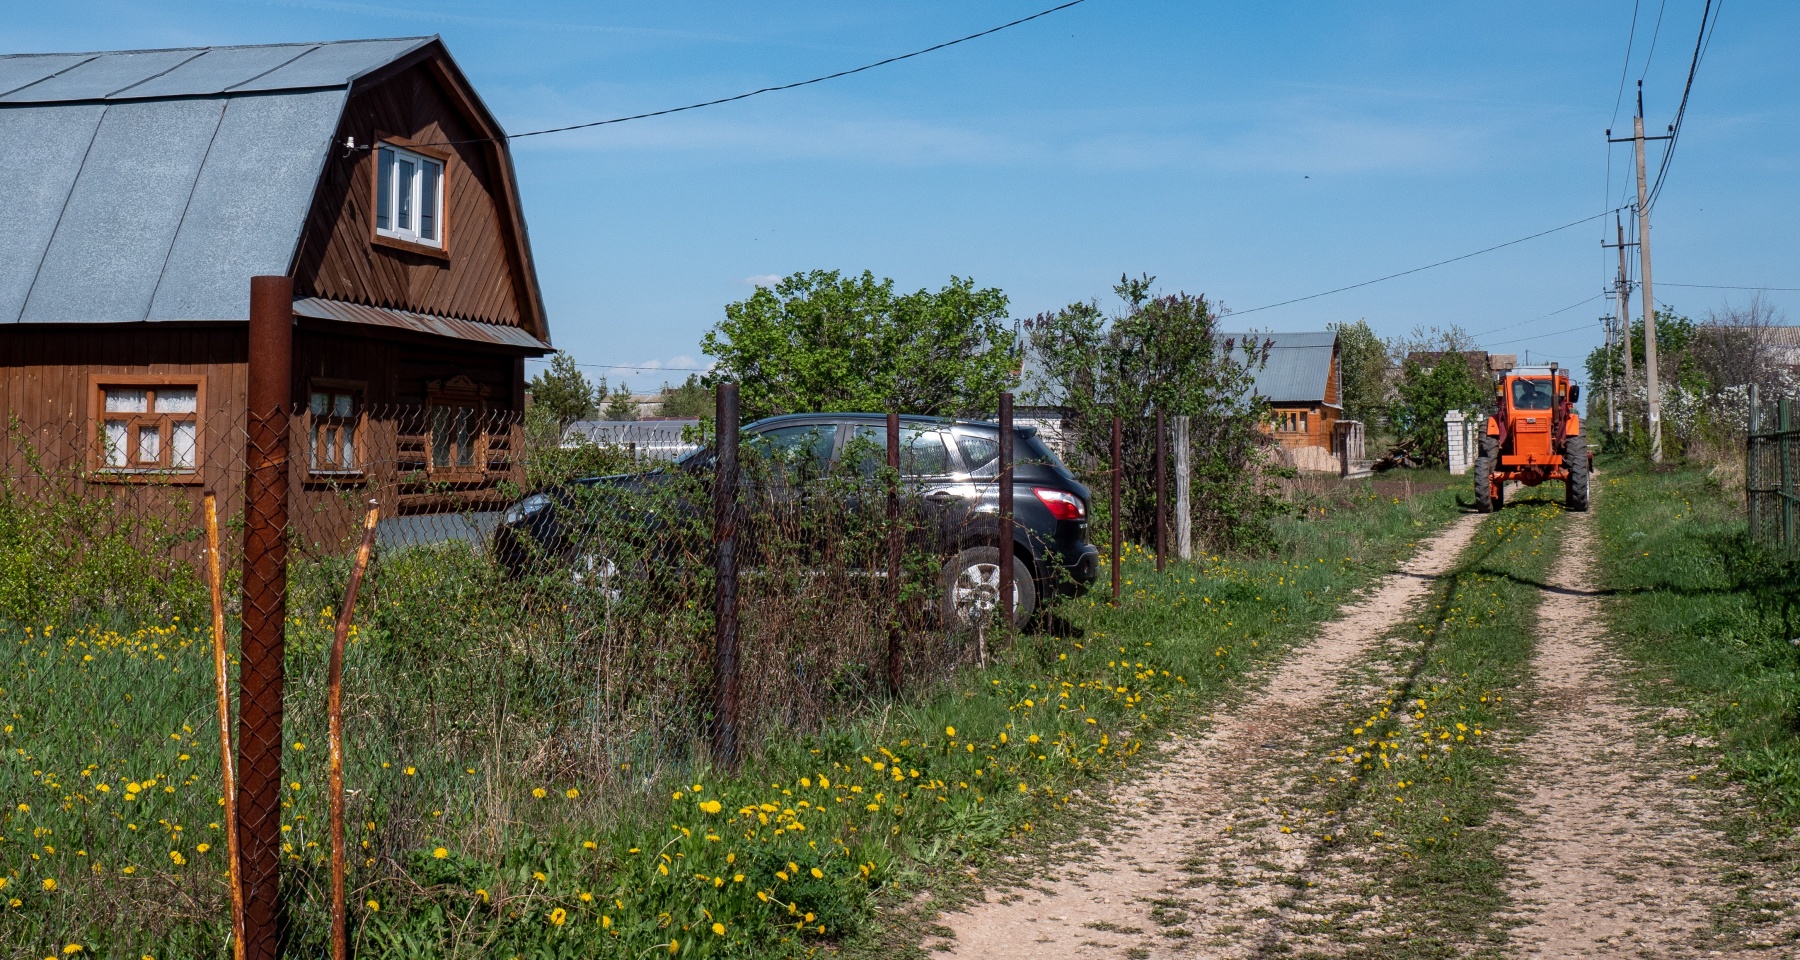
[970,588]
[1484,471]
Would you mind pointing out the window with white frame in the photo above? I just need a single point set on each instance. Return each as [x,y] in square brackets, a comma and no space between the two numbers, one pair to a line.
[409,196]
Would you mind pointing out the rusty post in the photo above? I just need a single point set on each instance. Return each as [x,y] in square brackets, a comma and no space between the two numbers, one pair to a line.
[725,598]
[334,709]
[1162,539]
[263,642]
[893,553]
[221,680]
[1007,588]
[1117,506]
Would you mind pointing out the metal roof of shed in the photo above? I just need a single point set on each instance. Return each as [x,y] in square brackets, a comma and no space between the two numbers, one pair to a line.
[149,184]
[1298,367]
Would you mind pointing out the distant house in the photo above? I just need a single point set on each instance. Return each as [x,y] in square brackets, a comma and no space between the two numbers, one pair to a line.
[141,190]
[1301,384]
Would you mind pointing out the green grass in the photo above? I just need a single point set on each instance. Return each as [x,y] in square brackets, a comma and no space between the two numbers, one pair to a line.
[507,838]
[1412,811]
[1710,616]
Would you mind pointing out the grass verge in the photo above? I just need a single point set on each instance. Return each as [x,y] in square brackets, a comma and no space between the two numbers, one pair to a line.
[116,819]
[1710,618]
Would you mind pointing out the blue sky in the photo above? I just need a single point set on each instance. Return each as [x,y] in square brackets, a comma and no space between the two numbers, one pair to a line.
[1251,152]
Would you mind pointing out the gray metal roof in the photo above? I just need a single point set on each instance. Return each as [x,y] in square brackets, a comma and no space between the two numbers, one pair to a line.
[319,308]
[193,71]
[150,184]
[1298,367]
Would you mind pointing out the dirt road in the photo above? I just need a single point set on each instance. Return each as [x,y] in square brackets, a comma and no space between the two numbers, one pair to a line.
[1115,903]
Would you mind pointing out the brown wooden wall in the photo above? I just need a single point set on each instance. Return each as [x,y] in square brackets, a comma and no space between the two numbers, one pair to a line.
[1320,420]
[482,277]
[45,389]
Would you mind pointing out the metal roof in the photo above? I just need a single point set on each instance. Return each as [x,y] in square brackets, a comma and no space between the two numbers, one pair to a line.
[193,71]
[1298,366]
[150,184]
[319,308]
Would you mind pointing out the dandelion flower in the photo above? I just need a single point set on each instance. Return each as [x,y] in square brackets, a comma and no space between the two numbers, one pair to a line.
[818,874]
[49,883]
[950,731]
[571,793]
[374,906]
[440,853]
[589,845]
[586,897]
[719,929]
[72,948]
[711,806]
[558,917]
[539,792]
[605,923]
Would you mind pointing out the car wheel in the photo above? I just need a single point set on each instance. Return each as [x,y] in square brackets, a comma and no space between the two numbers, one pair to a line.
[971,589]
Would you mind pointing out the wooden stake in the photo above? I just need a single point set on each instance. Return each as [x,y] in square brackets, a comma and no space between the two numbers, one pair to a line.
[220,682]
[334,708]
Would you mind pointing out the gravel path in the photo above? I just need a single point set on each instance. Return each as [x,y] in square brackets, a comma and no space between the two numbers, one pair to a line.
[1132,897]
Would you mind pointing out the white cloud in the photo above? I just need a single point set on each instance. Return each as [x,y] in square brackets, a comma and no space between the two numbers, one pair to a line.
[762,280]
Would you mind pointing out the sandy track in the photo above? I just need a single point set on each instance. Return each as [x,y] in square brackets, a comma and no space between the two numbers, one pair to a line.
[1108,902]
[1615,856]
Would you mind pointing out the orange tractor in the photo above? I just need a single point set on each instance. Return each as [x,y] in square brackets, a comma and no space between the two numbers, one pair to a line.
[1534,436]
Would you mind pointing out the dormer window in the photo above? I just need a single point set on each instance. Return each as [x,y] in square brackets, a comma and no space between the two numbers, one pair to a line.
[409,196]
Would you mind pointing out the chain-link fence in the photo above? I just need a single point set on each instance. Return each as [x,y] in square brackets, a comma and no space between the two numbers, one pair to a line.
[533,644]
[1772,475]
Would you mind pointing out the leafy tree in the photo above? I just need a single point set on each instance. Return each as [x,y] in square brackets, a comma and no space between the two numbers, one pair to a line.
[619,405]
[1159,352]
[691,400]
[1426,393]
[564,392]
[821,341]
[1363,362]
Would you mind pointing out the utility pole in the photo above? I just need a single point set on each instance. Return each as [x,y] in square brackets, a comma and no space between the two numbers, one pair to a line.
[1624,297]
[1612,418]
[1651,393]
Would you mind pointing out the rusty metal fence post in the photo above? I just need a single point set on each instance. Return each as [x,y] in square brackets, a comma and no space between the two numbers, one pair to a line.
[893,553]
[725,596]
[1007,587]
[1118,507]
[262,645]
[1162,538]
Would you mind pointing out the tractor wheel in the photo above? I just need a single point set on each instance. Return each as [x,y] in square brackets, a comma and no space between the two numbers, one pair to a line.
[1484,472]
[1575,458]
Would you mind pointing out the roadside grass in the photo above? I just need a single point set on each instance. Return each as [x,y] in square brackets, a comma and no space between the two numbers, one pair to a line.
[1709,620]
[109,840]
[1420,772]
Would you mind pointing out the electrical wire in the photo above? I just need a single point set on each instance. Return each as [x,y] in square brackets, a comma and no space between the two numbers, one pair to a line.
[775,89]
[1625,68]
[1546,316]
[1724,286]
[1653,35]
[1701,42]
[1440,263]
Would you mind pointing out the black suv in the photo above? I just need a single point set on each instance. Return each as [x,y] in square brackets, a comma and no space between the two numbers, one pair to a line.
[949,470]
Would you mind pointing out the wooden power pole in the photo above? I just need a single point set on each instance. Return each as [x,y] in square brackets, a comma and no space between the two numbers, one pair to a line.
[1624,297]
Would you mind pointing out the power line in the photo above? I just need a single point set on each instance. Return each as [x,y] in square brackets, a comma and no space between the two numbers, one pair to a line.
[1546,316]
[1701,42]
[1724,286]
[1653,35]
[774,89]
[1625,68]
[1391,276]
[639,367]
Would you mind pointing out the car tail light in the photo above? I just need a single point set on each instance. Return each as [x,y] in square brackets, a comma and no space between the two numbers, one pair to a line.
[1061,504]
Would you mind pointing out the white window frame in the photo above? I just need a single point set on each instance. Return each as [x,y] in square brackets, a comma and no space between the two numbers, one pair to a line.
[410,199]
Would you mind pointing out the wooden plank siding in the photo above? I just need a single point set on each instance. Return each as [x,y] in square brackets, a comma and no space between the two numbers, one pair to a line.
[479,279]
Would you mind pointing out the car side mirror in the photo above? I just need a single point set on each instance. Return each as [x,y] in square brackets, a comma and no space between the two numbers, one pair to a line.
[1574,393]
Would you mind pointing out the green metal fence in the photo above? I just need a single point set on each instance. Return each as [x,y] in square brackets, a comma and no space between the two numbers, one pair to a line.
[1772,476]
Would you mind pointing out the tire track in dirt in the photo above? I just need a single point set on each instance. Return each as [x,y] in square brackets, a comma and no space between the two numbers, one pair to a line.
[1613,856]
[1112,902]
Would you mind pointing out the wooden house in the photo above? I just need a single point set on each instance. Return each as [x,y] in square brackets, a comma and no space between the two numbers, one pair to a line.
[141,190]
[1301,383]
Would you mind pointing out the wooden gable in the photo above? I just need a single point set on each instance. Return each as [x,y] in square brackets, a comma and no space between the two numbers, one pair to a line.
[483,273]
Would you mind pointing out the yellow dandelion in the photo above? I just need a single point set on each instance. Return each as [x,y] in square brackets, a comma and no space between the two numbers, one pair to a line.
[374,906]
[950,731]
[571,793]
[440,853]
[558,917]
[711,806]
[539,792]
[719,929]
[49,883]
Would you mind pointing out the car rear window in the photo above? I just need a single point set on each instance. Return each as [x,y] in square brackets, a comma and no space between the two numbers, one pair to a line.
[981,453]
